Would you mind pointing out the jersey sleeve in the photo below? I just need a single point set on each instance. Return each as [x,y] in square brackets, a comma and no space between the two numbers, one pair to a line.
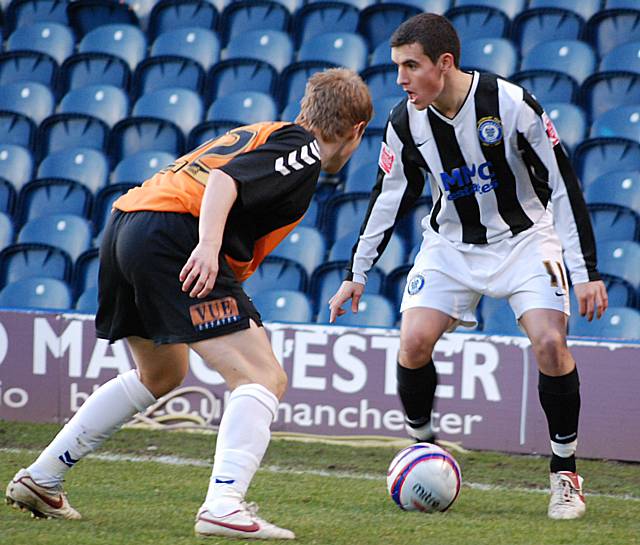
[265,175]
[398,185]
[570,214]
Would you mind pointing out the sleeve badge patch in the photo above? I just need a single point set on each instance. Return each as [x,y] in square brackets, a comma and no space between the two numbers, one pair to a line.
[386,159]
[551,130]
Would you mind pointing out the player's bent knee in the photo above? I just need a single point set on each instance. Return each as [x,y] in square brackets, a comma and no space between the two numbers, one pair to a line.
[161,384]
[550,347]
[415,350]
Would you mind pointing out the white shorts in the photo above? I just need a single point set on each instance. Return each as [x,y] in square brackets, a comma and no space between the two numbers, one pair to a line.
[451,277]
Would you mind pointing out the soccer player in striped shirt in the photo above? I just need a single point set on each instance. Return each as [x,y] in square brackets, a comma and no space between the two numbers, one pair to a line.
[508,213]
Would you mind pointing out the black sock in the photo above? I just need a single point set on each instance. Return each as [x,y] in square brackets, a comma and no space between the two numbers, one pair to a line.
[417,388]
[560,400]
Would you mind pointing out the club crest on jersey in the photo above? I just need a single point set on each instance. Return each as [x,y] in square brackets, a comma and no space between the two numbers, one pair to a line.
[386,159]
[490,131]
[415,284]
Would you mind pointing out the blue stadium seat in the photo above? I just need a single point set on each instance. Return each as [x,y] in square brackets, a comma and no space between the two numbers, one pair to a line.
[243,107]
[498,318]
[431,6]
[396,283]
[27,12]
[33,100]
[473,22]
[619,187]
[510,7]
[6,230]
[234,75]
[368,151]
[617,323]
[19,261]
[53,39]
[618,262]
[622,58]
[392,257]
[65,231]
[570,122]
[362,179]
[290,112]
[614,223]
[327,278]
[584,8]
[373,311]
[136,168]
[87,15]
[314,19]
[381,81]
[378,21]
[602,92]
[87,302]
[597,156]
[535,26]
[381,55]
[381,109]
[409,226]
[271,46]
[344,214]
[282,305]
[198,44]
[168,71]
[208,130]
[247,15]
[275,272]
[142,9]
[293,80]
[311,216]
[610,28]
[617,4]
[7,199]
[45,197]
[36,292]
[27,66]
[86,166]
[16,129]
[136,134]
[126,42]
[85,69]
[547,85]
[179,14]
[104,102]
[85,271]
[103,204]
[180,106]
[623,121]
[305,246]
[496,55]
[63,131]
[574,57]
[340,48]
[16,164]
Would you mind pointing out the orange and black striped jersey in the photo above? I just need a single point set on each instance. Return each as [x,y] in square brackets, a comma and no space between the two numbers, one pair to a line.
[276,167]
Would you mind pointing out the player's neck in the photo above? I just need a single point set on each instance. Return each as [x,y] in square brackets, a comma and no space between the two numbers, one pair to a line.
[456,89]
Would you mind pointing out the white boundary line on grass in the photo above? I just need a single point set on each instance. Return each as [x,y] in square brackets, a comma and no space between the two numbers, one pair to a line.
[178,461]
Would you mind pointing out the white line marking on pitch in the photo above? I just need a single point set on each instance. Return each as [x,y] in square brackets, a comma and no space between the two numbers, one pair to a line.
[178,461]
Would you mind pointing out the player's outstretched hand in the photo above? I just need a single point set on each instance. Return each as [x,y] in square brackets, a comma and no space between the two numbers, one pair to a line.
[592,297]
[348,290]
[201,268]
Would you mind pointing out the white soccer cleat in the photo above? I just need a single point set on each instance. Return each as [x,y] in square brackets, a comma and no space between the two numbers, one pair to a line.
[44,502]
[567,500]
[242,522]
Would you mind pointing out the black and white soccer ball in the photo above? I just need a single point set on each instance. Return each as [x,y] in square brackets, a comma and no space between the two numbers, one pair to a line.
[424,477]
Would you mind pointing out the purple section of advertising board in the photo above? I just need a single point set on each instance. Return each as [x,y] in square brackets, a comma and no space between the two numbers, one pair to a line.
[341,382]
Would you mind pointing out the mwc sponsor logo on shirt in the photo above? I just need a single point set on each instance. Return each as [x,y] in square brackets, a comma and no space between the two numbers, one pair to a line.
[469,180]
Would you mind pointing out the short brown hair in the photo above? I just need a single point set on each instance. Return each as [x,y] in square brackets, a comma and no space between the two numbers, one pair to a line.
[433,32]
[335,100]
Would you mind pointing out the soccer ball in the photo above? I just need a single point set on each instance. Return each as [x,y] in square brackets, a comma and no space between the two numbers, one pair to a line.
[424,477]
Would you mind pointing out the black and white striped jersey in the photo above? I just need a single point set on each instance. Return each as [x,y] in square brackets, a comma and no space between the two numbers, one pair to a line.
[496,169]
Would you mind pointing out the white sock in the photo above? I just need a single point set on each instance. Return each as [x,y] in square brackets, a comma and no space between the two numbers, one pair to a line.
[564,450]
[242,441]
[110,406]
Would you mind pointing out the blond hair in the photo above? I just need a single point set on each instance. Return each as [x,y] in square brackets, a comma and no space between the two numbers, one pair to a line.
[335,100]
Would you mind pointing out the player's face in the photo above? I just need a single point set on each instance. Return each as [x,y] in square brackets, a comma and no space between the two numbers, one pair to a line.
[419,77]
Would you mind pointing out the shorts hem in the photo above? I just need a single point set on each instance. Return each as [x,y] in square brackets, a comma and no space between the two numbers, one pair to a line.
[458,320]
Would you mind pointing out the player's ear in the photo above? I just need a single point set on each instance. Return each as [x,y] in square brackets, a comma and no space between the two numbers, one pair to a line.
[445,62]
[358,130]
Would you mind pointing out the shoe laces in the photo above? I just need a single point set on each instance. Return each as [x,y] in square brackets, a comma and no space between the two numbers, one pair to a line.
[565,492]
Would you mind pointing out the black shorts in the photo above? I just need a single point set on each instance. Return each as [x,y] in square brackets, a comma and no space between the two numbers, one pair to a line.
[140,293]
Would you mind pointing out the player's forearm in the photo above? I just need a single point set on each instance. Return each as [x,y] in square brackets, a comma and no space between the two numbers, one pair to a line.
[218,198]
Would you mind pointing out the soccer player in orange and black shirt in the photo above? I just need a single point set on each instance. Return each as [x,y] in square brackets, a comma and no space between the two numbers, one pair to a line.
[172,262]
